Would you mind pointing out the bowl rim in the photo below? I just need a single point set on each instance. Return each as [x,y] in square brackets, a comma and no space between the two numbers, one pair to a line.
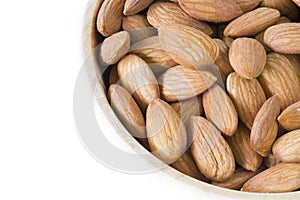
[88,44]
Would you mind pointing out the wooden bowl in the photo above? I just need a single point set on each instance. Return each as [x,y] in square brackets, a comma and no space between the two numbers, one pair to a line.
[90,39]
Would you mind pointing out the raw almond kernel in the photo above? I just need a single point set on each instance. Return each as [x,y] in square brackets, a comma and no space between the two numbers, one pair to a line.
[137,77]
[180,83]
[211,10]
[252,22]
[284,38]
[166,133]
[247,5]
[284,177]
[297,2]
[187,165]
[115,47]
[283,19]
[295,61]
[289,119]
[188,46]
[134,22]
[265,127]
[287,147]
[247,96]
[135,6]
[220,110]
[243,153]
[113,75]
[109,17]
[247,57]
[211,152]
[222,61]
[166,13]
[280,78]
[286,7]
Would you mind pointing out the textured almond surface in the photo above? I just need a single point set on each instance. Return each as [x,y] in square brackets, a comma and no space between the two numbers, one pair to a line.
[134,21]
[113,75]
[165,131]
[286,7]
[289,119]
[211,10]
[132,7]
[211,152]
[247,5]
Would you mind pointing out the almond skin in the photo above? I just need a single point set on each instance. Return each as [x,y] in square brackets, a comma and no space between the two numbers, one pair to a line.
[165,13]
[188,46]
[211,10]
[220,110]
[130,70]
[211,152]
[180,83]
[132,7]
[287,147]
[113,75]
[243,153]
[247,96]
[247,5]
[289,119]
[252,22]
[265,127]
[247,57]
[284,38]
[286,7]
[280,178]
[134,22]
[166,133]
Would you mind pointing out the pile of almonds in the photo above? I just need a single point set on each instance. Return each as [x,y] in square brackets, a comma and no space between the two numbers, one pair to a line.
[210,87]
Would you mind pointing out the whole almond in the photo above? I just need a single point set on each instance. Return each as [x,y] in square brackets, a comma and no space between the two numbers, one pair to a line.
[180,83]
[220,110]
[134,22]
[137,77]
[211,152]
[252,22]
[188,46]
[247,96]
[279,78]
[135,6]
[280,178]
[295,61]
[109,17]
[211,10]
[284,38]
[247,57]
[287,147]
[265,127]
[166,133]
[166,13]
[289,119]
[243,153]
[286,7]
[247,5]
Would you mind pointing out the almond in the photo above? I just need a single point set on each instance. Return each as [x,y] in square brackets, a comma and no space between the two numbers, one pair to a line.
[252,22]
[188,46]
[140,34]
[134,22]
[166,13]
[132,7]
[247,57]
[180,83]
[289,119]
[280,78]
[286,7]
[220,110]
[287,147]
[247,96]
[243,153]
[166,133]
[265,127]
[211,10]
[284,38]
[137,77]
[211,152]
[280,178]
[113,75]
[247,5]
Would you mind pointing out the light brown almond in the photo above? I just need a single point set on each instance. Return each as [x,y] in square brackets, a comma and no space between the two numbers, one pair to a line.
[265,127]
[295,61]
[180,83]
[247,5]
[137,77]
[284,38]
[247,96]
[287,147]
[113,75]
[137,35]
[252,22]
[289,119]
[188,46]
[134,22]
[166,133]
[247,57]
[135,6]
[220,110]
[211,10]
[243,153]
[211,152]
[283,20]
[280,178]
[166,13]
[286,7]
